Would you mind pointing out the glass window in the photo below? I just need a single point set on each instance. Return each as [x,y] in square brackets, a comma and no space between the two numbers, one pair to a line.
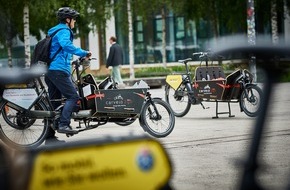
[139,31]
[139,43]
[180,29]
[158,26]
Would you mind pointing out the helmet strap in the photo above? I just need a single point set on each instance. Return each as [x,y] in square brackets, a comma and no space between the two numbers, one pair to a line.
[69,23]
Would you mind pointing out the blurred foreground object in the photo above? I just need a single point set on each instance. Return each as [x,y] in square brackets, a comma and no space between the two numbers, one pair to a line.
[20,75]
[111,163]
[268,58]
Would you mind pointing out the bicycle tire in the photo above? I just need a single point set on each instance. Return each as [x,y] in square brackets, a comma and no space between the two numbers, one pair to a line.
[251,106]
[19,131]
[157,127]
[178,100]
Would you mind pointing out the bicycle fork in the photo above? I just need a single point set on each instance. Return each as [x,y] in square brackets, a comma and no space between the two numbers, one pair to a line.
[153,116]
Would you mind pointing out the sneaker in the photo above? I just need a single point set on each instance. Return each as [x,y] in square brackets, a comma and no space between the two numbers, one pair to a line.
[53,140]
[66,130]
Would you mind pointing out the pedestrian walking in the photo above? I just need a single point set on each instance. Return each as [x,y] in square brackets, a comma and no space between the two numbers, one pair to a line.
[115,60]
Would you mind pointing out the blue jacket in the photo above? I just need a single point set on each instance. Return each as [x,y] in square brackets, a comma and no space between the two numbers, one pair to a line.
[63,38]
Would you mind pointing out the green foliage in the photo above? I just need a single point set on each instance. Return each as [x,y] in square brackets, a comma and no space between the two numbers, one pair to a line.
[152,72]
[10,19]
[226,12]
[262,8]
[285,77]
[43,13]
[98,13]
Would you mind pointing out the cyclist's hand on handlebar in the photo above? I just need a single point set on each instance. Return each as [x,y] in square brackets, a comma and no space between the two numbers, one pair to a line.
[89,54]
[87,57]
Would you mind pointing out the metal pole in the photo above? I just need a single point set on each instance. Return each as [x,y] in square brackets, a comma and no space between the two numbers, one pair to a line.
[251,35]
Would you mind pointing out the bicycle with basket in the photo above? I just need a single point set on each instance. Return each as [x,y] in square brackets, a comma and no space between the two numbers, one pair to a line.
[26,111]
[210,84]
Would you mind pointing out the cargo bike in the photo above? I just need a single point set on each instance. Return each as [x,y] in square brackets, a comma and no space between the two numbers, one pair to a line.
[211,85]
[27,112]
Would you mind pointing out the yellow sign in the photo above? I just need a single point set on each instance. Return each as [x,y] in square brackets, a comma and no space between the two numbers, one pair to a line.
[174,81]
[137,164]
[16,86]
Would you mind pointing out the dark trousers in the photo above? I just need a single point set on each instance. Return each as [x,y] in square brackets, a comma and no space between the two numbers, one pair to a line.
[60,84]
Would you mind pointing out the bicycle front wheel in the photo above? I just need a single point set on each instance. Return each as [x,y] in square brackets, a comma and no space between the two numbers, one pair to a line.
[19,131]
[250,100]
[178,100]
[157,118]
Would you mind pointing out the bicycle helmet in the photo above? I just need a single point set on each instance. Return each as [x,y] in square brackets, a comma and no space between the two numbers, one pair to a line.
[66,12]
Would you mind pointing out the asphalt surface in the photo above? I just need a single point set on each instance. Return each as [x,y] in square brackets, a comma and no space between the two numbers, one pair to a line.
[208,153]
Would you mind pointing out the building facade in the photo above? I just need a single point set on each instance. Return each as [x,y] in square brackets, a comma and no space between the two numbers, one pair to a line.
[183,37]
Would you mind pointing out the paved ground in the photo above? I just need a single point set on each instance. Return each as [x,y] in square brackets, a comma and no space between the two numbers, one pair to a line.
[205,152]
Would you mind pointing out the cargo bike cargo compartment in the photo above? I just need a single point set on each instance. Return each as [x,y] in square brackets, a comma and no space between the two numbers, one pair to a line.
[117,100]
[217,89]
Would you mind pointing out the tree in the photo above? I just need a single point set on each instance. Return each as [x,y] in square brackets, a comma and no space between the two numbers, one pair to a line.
[42,17]
[274,23]
[43,14]
[9,25]
[96,15]
[26,34]
[226,12]
[273,13]
[131,48]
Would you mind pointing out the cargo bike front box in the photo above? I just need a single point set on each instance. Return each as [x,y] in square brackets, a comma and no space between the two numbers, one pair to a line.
[120,102]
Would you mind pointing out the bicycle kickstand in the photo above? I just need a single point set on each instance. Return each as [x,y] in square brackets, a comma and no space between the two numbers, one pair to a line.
[203,106]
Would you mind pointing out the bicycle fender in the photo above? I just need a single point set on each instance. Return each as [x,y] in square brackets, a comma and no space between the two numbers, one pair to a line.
[251,84]
[155,98]
[141,119]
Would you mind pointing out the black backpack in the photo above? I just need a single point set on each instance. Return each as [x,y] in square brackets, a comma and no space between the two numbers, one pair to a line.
[42,51]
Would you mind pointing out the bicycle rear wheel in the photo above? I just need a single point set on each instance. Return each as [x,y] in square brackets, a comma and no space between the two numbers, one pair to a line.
[178,100]
[19,131]
[157,118]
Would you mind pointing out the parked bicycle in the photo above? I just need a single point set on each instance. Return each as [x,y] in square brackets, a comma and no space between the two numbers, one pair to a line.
[27,112]
[210,84]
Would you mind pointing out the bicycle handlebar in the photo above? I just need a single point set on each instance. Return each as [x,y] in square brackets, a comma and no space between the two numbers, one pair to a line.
[81,60]
[207,54]
[202,54]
